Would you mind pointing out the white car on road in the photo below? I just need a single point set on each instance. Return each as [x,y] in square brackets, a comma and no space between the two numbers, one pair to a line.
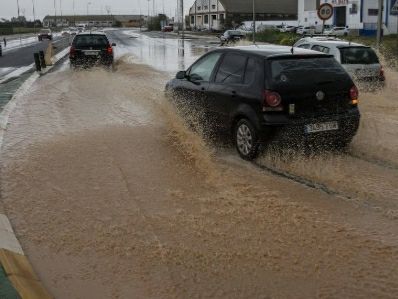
[338,31]
[360,61]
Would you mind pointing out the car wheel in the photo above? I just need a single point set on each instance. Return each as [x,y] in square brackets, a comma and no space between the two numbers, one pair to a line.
[246,140]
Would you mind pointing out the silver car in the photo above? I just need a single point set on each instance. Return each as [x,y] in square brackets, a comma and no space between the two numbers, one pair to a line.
[360,61]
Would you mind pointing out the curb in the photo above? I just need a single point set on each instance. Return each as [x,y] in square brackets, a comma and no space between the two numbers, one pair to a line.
[12,258]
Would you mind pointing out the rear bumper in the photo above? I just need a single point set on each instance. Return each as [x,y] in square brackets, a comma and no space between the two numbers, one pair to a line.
[282,128]
[90,62]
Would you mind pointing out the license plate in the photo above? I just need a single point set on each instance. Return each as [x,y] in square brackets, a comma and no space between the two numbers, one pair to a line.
[322,127]
[91,53]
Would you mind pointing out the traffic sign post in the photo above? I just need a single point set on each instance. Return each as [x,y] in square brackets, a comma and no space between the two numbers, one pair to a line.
[325,12]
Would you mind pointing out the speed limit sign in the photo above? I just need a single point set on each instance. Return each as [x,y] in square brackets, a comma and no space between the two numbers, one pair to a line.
[325,11]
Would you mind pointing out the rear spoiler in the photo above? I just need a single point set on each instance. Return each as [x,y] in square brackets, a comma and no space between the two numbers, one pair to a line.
[298,56]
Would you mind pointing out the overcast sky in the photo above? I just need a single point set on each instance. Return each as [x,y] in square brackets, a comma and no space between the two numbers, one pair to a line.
[9,8]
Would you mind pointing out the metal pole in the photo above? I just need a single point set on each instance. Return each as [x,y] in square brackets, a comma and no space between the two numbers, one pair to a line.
[182,18]
[55,14]
[34,16]
[254,23]
[379,23]
[74,14]
[18,9]
[60,8]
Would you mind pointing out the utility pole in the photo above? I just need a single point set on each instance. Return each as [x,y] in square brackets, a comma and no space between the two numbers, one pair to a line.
[254,23]
[379,23]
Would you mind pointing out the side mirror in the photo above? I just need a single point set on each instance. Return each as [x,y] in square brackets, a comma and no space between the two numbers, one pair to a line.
[113,45]
[181,75]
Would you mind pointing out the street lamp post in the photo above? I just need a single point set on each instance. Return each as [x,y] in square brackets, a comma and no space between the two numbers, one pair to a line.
[254,23]
[88,22]
[34,16]
[55,14]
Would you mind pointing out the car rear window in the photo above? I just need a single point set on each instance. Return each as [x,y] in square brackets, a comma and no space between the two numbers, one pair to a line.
[358,55]
[303,70]
[91,40]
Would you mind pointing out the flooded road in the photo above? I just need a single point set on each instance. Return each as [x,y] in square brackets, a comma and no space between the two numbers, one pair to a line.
[111,196]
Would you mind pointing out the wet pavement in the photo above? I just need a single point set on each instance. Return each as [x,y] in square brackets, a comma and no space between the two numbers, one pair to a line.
[112,196]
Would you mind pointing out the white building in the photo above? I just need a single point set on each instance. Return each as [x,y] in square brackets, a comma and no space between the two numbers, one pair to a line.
[357,14]
[208,14]
[220,14]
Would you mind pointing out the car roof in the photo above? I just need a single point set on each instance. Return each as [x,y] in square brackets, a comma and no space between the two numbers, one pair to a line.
[269,51]
[330,41]
[91,33]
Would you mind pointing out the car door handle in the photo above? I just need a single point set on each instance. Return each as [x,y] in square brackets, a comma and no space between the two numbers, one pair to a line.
[203,89]
[233,93]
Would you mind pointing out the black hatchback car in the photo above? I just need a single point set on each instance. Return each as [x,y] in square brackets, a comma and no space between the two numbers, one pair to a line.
[91,49]
[259,93]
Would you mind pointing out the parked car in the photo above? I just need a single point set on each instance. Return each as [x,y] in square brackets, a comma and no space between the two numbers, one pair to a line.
[302,30]
[45,34]
[231,36]
[338,31]
[167,29]
[255,93]
[360,61]
[91,49]
[288,28]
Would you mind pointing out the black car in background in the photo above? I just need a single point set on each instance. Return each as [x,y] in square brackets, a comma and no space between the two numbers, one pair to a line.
[91,49]
[45,34]
[258,93]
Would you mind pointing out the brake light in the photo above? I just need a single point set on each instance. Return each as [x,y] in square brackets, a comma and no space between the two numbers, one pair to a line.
[272,101]
[354,94]
[109,50]
[381,73]
[72,51]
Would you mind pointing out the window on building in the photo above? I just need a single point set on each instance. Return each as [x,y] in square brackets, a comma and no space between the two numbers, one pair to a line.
[373,11]
[354,9]
[213,6]
[206,7]
[206,19]
[199,7]
[214,17]
[192,19]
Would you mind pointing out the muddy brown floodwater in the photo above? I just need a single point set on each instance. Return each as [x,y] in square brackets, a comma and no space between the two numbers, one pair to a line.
[112,196]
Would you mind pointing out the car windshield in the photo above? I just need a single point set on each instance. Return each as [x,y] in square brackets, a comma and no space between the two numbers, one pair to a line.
[91,40]
[45,31]
[299,71]
[358,55]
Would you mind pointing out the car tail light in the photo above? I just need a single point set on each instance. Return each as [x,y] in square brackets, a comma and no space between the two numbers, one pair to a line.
[109,50]
[381,73]
[272,101]
[72,51]
[354,94]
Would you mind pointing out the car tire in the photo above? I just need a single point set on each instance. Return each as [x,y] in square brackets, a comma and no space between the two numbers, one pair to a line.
[246,140]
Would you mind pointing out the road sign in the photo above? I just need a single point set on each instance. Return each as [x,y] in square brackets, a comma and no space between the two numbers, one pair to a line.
[394,7]
[325,11]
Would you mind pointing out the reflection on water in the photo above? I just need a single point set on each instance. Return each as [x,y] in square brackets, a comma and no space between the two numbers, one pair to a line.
[170,55]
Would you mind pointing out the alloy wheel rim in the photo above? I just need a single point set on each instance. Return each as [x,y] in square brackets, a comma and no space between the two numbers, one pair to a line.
[244,139]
